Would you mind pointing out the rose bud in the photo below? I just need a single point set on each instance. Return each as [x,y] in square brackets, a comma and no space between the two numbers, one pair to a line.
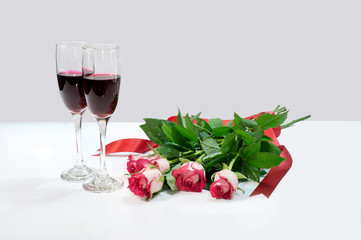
[225,183]
[161,163]
[136,164]
[190,177]
[147,182]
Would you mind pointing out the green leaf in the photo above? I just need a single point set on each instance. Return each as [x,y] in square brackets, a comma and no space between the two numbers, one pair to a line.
[215,122]
[266,138]
[175,146]
[270,147]
[196,116]
[171,181]
[155,128]
[266,120]
[167,129]
[213,162]
[238,121]
[240,175]
[237,144]
[250,171]
[221,131]
[204,135]
[251,151]
[170,130]
[252,124]
[146,130]
[203,124]
[212,155]
[187,133]
[168,152]
[210,145]
[266,160]
[228,142]
[229,124]
[248,139]
[218,166]
[189,124]
[180,119]
[257,134]
[262,172]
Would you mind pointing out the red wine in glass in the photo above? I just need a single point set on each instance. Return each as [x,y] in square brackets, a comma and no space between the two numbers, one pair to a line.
[71,90]
[102,91]
[70,81]
[101,82]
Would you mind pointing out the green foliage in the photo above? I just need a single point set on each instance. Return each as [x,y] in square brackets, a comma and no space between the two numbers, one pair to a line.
[240,144]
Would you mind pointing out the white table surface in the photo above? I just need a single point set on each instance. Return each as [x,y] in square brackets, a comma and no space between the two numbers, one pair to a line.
[319,198]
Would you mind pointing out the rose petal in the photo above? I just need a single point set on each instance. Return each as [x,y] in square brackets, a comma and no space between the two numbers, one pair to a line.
[229,175]
[138,184]
[132,166]
[221,189]
[152,173]
[155,186]
[161,163]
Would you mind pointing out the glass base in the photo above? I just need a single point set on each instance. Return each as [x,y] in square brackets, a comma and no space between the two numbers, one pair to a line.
[103,185]
[78,174]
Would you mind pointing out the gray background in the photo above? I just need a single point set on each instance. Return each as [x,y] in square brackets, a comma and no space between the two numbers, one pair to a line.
[211,56]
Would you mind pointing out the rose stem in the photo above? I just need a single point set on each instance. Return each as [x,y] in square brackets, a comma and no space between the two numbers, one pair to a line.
[200,159]
[173,161]
[295,121]
[193,154]
[233,161]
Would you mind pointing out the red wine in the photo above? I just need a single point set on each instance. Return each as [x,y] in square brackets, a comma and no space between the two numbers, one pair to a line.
[71,90]
[101,92]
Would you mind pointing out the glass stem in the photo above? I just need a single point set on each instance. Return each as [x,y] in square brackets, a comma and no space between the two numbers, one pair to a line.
[79,162]
[102,123]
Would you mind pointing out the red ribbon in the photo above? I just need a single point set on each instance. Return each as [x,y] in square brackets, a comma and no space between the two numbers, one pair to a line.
[135,145]
[275,175]
[265,187]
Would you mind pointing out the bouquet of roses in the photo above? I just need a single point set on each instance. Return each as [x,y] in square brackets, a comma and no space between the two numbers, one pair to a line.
[194,154]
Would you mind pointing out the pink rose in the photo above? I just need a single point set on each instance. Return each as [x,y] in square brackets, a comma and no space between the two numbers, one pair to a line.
[190,177]
[225,183]
[136,164]
[147,182]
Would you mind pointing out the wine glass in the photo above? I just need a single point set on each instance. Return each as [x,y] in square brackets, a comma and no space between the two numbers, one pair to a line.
[101,81]
[69,73]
